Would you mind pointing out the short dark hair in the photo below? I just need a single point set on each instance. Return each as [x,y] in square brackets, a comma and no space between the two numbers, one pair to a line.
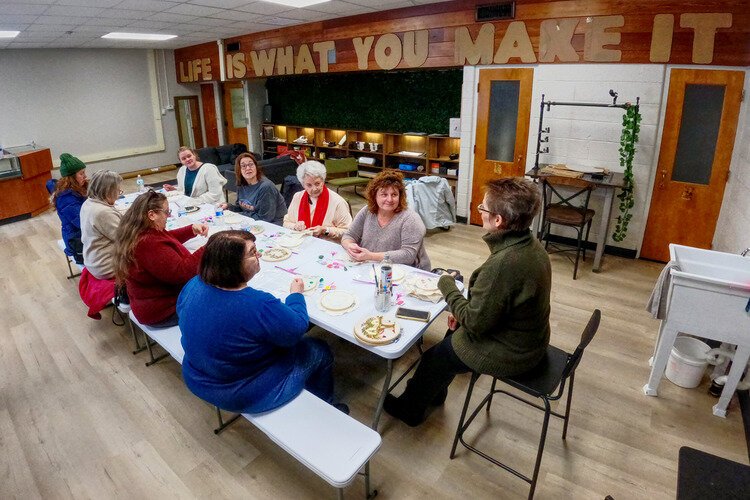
[515,199]
[221,262]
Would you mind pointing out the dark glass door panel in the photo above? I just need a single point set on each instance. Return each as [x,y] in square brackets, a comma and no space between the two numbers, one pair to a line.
[699,131]
[503,120]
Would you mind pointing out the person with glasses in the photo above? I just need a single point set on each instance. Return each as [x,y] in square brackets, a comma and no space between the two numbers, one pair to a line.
[245,350]
[502,328]
[257,196]
[152,262]
[198,180]
[99,222]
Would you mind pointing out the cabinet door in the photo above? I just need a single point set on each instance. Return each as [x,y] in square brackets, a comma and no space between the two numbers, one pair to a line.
[503,113]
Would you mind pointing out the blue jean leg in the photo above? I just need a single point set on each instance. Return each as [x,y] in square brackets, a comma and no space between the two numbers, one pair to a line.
[313,367]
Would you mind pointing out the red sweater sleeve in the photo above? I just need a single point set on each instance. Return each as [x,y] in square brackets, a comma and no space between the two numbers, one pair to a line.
[166,259]
[182,234]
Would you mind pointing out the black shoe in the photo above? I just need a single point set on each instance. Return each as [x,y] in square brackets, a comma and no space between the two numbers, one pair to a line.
[343,408]
[395,408]
[440,398]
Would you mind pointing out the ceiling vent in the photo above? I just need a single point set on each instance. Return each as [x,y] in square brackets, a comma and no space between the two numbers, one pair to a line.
[496,11]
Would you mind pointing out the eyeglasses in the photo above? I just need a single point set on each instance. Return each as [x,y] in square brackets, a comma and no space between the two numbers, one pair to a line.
[482,208]
[247,165]
[167,211]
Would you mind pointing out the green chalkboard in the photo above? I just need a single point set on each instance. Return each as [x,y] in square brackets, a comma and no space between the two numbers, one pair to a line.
[394,101]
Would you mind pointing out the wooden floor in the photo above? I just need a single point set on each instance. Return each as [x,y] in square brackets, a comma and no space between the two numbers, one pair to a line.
[81,417]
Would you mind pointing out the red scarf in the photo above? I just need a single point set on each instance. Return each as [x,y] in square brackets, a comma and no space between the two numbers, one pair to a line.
[320,209]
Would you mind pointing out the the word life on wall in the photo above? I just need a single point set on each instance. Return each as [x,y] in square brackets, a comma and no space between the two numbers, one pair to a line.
[555,42]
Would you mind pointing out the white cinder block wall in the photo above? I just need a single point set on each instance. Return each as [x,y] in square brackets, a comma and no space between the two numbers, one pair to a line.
[578,135]
[733,228]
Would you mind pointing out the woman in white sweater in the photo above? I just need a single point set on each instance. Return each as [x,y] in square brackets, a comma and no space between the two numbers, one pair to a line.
[317,208]
[99,222]
[201,181]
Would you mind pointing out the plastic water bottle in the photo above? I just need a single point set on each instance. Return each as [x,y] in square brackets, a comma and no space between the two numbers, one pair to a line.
[139,182]
[219,216]
[181,212]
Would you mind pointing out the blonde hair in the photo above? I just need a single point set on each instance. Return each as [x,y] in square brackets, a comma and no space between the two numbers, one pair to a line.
[132,226]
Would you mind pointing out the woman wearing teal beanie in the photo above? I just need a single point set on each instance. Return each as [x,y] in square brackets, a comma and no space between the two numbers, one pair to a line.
[70,193]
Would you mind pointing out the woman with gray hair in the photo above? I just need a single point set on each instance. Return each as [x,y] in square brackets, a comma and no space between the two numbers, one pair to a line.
[317,208]
[99,222]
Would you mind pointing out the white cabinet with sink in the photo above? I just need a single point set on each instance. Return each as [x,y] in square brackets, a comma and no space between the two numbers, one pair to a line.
[708,297]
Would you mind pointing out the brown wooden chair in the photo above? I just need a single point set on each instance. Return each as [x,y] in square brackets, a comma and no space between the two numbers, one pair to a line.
[546,382]
[558,208]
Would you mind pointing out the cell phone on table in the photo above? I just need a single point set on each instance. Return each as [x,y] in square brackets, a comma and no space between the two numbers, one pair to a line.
[415,314]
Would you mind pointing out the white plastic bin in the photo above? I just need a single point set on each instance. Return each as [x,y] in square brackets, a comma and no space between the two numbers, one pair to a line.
[687,362]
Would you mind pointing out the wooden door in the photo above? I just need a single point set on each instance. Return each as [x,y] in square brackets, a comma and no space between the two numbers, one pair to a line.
[208,103]
[503,113]
[189,129]
[235,118]
[700,125]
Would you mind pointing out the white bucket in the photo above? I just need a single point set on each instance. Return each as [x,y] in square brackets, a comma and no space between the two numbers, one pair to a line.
[687,362]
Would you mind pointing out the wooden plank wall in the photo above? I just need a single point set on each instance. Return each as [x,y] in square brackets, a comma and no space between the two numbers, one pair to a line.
[702,32]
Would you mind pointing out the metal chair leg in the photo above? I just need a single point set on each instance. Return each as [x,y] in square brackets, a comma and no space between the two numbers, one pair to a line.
[223,425]
[567,405]
[492,392]
[138,346]
[540,450]
[460,429]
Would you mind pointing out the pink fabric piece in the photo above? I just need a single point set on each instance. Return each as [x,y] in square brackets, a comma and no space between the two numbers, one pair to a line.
[95,293]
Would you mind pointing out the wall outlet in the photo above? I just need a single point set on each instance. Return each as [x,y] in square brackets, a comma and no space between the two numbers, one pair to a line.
[454,126]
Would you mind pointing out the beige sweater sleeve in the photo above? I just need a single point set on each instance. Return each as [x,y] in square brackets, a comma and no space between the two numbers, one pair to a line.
[290,219]
[340,220]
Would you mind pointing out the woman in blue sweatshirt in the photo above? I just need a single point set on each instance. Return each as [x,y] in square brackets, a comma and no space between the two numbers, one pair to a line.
[70,193]
[245,350]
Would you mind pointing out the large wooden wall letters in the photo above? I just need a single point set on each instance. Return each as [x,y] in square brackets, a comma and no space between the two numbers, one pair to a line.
[446,34]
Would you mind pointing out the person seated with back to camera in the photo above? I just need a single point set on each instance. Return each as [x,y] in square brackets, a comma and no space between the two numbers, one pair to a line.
[257,196]
[502,328]
[153,262]
[317,208]
[99,222]
[245,350]
[68,198]
[385,226]
[198,180]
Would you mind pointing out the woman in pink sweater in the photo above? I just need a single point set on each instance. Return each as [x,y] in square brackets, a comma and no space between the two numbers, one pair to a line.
[153,262]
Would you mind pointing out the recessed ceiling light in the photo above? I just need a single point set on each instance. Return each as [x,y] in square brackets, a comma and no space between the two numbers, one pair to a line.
[295,3]
[9,34]
[139,36]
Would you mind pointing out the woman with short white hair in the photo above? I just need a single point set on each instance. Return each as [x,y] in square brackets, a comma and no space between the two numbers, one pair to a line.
[99,222]
[317,208]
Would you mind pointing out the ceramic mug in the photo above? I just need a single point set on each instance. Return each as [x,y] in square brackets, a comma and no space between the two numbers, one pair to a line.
[360,145]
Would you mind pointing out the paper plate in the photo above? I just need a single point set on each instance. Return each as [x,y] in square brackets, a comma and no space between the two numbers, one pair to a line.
[190,209]
[275,254]
[423,283]
[289,241]
[337,300]
[256,229]
[311,282]
[377,330]
[232,218]
[397,274]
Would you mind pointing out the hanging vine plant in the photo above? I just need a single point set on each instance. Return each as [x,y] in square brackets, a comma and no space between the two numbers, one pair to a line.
[631,126]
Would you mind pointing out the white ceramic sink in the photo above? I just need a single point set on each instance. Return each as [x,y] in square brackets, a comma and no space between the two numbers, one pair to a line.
[707,298]
[719,268]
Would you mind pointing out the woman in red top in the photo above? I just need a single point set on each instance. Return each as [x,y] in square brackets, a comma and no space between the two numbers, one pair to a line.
[153,262]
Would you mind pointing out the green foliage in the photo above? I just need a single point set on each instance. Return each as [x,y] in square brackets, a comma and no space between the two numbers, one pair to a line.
[394,101]
[631,126]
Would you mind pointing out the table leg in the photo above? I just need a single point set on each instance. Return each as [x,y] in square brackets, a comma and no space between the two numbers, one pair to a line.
[601,237]
[663,348]
[381,400]
[735,373]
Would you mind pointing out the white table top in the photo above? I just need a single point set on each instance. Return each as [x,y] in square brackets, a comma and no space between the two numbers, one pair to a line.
[327,260]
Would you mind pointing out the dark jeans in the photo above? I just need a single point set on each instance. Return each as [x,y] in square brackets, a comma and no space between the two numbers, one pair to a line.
[173,320]
[437,369]
[313,367]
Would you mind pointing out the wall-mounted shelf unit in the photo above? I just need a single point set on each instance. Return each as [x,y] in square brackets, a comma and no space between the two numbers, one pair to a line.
[426,155]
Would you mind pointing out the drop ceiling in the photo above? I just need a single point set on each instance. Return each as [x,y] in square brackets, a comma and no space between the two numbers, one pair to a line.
[81,23]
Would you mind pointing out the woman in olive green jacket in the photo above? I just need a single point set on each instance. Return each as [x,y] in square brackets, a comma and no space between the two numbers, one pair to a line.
[502,329]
